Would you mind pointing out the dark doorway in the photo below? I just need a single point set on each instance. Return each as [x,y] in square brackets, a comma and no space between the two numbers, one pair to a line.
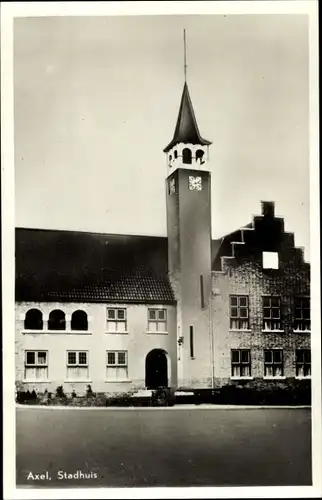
[156,369]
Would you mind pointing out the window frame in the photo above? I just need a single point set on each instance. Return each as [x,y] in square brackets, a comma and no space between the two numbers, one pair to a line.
[240,363]
[274,364]
[116,320]
[36,364]
[301,308]
[157,320]
[26,328]
[303,363]
[238,318]
[117,364]
[271,319]
[77,364]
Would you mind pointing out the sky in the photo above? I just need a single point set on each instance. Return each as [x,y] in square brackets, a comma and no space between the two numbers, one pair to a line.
[97,98]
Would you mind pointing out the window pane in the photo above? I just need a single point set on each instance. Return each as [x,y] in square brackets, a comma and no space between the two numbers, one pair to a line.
[42,357]
[111,358]
[306,303]
[111,313]
[245,356]
[275,313]
[111,326]
[77,372]
[71,358]
[234,312]
[307,356]
[277,356]
[152,326]
[278,371]
[30,373]
[152,314]
[82,358]
[267,313]
[243,301]
[234,324]
[120,313]
[299,356]
[233,300]
[306,313]
[298,313]
[121,326]
[162,326]
[161,314]
[41,373]
[268,356]
[245,370]
[266,302]
[121,358]
[235,356]
[243,324]
[30,358]
[235,370]
[269,370]
[275,301]
[243,312]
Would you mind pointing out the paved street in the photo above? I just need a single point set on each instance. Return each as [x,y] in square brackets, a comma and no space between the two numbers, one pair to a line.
[164,447]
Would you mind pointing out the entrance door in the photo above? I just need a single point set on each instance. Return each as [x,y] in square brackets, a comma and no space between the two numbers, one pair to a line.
[156,369]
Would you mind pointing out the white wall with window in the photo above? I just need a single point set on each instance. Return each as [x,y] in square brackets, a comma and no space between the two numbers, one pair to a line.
[157,320]
[116,320]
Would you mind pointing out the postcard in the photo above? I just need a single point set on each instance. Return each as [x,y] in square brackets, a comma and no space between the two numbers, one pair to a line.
[161,266]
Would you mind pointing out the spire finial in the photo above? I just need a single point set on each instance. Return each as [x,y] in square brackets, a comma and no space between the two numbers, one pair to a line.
[185,55]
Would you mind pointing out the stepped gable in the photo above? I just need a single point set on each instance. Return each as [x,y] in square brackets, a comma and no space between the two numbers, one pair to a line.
[266,233]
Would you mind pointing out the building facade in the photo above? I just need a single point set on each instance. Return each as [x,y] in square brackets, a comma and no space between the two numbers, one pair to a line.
[123,313]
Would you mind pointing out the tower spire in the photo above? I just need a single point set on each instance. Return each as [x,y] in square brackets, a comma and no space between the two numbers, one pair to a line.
[185,55]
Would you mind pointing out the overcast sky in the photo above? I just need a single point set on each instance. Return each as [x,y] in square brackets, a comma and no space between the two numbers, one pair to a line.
[96,101]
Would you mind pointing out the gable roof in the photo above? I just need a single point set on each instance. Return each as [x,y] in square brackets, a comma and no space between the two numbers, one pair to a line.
[186,130]
[77,266]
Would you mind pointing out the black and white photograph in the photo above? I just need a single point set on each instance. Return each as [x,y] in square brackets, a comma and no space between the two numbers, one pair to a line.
[161,249]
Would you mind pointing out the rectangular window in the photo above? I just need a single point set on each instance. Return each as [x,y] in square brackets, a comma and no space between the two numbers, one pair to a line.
[271,313]
[116,320]
[116,366]
[36,365]
[239,312]
[273,362]
[77,365]
[270,260]
[157,320]
[303,362]
[302,314]
[240,363]
[191,343]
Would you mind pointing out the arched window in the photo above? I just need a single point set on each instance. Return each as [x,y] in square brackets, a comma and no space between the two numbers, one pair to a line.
[79,320]
[33,320]
[199,156]
[186,156]
[175,153]
[57,320]
[170,157]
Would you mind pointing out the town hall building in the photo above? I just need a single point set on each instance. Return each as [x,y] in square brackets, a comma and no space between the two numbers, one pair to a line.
[123,313]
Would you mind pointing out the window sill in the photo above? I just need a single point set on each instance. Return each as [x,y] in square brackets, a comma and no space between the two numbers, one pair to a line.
[74,381]
[240,330]
[118,381]
[304,378]
[116,333]
[241,378]
[66,332]
[272,331]
[301,331]
[275,378]
[157,333]
[42,381]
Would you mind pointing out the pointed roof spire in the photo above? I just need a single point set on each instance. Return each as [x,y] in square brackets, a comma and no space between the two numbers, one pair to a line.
[186,130]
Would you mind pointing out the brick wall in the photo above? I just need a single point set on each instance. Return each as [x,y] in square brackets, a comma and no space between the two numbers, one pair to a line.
[243,274]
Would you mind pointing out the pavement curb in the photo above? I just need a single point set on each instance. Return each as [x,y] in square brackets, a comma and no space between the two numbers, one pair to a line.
[162,408]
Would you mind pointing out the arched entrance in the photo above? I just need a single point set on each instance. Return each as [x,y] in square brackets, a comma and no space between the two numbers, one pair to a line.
[156,369]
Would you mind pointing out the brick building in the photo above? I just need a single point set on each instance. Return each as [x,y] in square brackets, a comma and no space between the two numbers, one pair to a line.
[125,313]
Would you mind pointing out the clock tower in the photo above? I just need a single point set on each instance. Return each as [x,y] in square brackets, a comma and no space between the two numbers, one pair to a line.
[189,245]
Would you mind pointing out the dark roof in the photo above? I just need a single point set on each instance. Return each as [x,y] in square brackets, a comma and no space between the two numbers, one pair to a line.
[186,130]
[70,265]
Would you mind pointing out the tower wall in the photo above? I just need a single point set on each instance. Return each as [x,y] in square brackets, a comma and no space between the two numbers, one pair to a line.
[189,240]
